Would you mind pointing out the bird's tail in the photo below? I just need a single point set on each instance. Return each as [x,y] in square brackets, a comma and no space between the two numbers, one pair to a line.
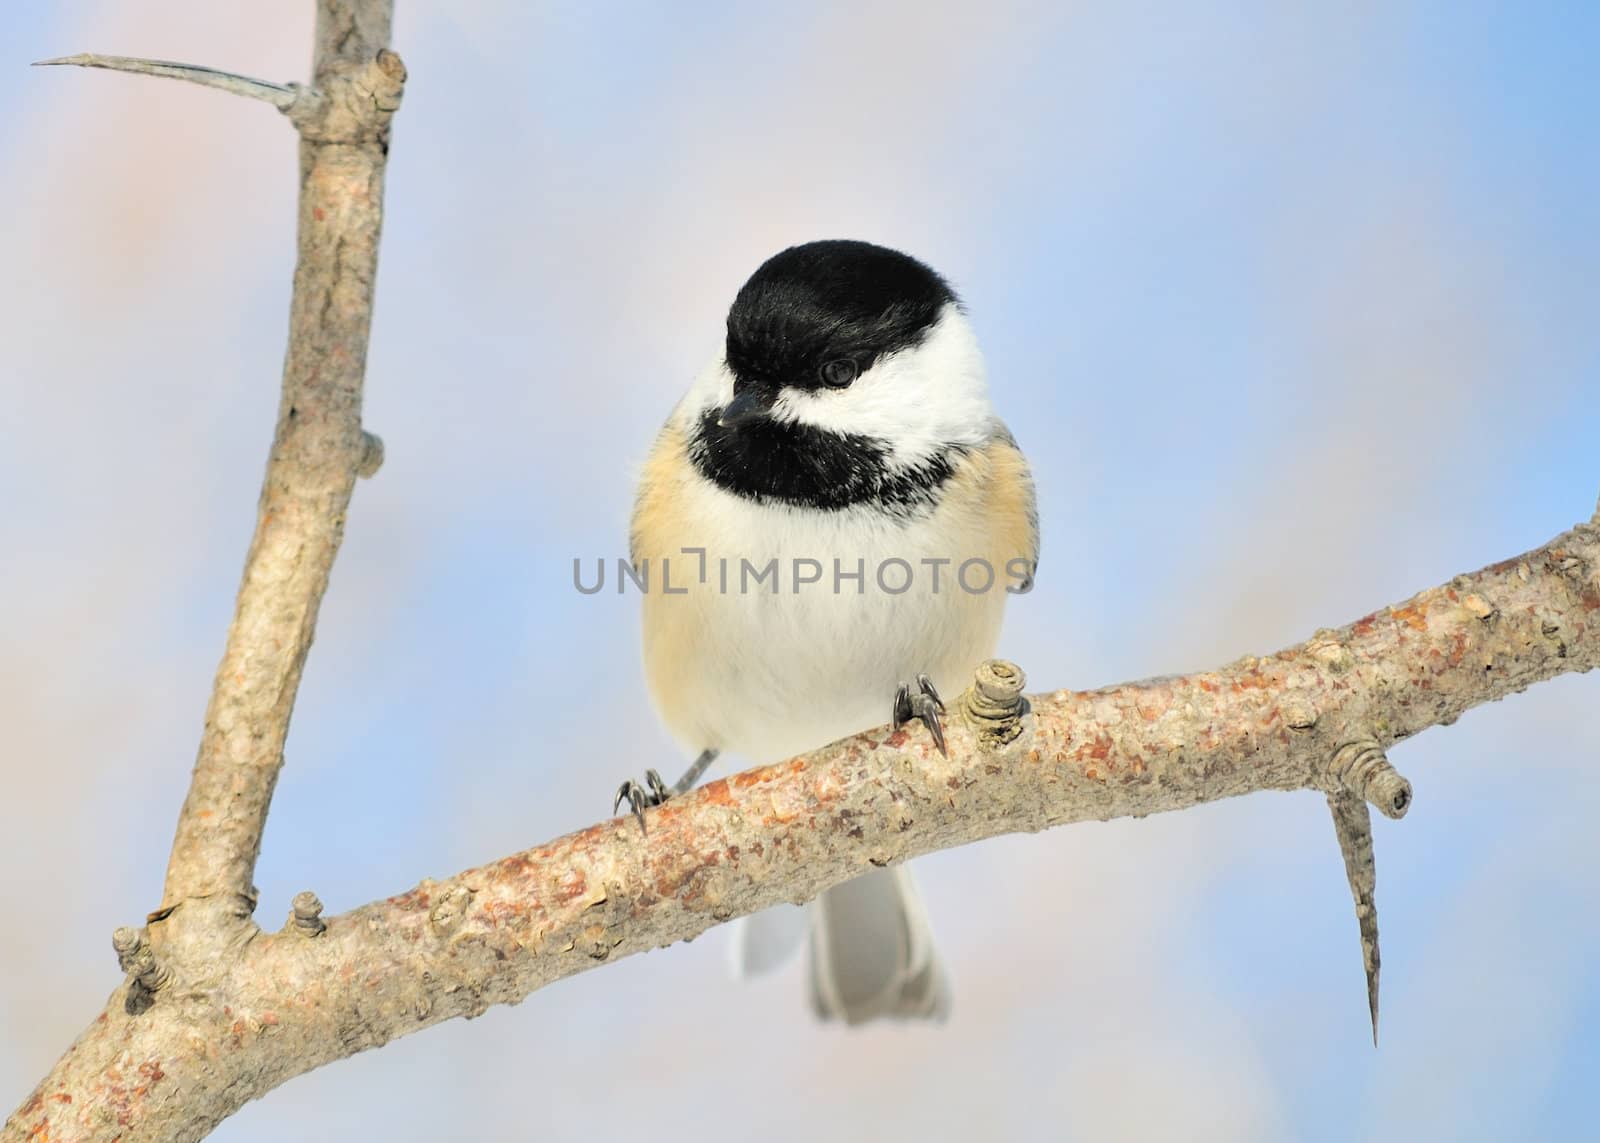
[872,953]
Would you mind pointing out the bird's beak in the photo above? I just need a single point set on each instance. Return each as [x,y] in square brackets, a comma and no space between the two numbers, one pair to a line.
[747,405]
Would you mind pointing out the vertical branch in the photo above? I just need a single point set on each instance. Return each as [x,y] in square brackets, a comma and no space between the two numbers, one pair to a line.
[318,450]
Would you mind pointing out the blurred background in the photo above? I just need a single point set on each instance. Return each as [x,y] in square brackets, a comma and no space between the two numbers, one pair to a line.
[1292,307]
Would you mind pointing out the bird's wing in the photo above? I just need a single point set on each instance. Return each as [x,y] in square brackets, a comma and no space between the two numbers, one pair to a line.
[1013,492]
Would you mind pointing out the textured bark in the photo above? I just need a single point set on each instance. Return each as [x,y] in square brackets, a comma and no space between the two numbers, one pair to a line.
[283,1003]
[318,450]
[213,1011]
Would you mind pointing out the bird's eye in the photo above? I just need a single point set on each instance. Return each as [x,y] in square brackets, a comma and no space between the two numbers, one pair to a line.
[839,372]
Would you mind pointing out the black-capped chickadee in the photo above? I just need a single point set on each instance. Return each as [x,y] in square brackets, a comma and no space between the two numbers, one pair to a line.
[836,517]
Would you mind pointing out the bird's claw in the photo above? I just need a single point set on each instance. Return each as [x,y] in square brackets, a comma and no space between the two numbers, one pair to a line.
[641,798]
[924,704]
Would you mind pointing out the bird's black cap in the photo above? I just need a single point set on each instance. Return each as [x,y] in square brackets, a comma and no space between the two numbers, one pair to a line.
[825,301]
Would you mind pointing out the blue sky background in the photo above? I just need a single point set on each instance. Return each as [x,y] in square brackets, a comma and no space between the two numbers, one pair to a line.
[1292,307]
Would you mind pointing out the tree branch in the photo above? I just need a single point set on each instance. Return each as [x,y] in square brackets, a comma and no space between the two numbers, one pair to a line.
[286,1004]
[213,1012]
[318,451]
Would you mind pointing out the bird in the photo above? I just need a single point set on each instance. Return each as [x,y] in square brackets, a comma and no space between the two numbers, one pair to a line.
[837,516]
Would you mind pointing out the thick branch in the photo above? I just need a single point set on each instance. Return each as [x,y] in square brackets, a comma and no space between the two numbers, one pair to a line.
[317,453]
[782,833]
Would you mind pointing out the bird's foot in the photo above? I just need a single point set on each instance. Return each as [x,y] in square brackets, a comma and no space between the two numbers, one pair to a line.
[655,791]
[640,798]
[925,704]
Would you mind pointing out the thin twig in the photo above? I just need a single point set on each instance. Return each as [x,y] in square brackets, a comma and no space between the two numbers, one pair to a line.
[280,95]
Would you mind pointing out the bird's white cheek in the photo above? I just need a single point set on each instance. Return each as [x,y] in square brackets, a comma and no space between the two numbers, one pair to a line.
[917,403]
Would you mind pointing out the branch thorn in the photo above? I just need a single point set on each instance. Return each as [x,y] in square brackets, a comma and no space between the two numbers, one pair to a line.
[283,96]
[1352,822]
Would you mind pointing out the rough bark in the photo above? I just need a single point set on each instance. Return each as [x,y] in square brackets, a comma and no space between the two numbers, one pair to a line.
[284,1003]
[318,451]
[213,1011]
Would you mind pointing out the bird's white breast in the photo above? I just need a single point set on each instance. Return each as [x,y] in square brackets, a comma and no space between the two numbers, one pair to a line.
[738,666]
